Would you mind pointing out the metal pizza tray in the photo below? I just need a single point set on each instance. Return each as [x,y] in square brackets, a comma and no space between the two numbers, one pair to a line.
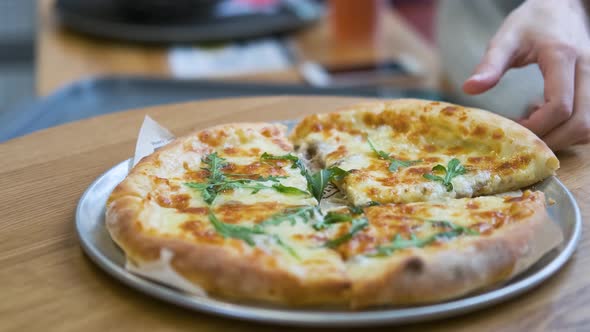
[96,242]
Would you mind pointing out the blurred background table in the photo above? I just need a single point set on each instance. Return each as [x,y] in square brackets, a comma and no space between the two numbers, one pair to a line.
[63,56]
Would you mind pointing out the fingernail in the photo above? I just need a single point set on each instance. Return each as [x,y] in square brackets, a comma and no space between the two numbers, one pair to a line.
[478,77]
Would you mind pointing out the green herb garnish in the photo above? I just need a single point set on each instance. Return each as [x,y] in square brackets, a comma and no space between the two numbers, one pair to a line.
[332,218]
[317,182]
[399,243]
[394,164]
[453,169]
[289,190]
[285,246]
[306,213]
[357,226]
[359,208]
[226,230]
[289,157]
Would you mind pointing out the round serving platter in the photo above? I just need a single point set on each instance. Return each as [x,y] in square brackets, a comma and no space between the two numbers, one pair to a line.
[96,242]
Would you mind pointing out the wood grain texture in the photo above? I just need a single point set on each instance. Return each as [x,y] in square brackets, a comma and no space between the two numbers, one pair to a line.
[63,56]
[48,284]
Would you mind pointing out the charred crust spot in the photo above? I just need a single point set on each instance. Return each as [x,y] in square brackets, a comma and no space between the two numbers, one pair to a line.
[432,159]
[498,133]
[429,148]
[282,144]
[419,171]
[455,149]
[230,151]
[270,131]
[200,231]
[373,192]
[195,210]
[472,205]
[449,110]
[414,265]
[372,119]
[464,130]
[316,127]
[236,212]
[516,163]
[212,138]
[338,153]
[479,131]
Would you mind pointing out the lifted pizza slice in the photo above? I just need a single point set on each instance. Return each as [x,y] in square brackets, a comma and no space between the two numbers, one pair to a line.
[413,150]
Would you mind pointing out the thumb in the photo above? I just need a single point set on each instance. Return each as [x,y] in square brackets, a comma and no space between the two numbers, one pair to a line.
[496,61]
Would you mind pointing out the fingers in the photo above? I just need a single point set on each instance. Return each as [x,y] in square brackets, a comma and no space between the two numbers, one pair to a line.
[558,66]
[496,61]
[577,129]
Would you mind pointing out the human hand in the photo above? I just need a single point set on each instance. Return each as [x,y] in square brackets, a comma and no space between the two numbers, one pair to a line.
[553,34]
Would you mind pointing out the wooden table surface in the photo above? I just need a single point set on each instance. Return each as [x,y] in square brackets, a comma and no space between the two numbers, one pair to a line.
[48,284]
[63,56]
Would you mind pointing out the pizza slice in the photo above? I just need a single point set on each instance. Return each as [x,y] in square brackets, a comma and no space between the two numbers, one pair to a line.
[424,252]
[227,212]
[412,150]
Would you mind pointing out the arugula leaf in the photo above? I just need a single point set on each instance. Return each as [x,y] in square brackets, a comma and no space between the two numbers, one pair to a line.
[332,218]
[360,208]
[196,185]
[394,164]
[317,182]
[289,190]
[289,157]
[226,230]
[453,169]
[306,213]
[357,226]
[453,226]
[215,164]
[296,162]
[285,246]
[273,178]
[399,243]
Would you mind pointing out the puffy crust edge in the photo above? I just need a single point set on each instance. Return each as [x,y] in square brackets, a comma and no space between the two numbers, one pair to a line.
[480,262]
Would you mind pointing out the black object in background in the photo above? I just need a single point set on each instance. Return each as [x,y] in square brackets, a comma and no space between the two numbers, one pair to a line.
[178,21]
[94,97]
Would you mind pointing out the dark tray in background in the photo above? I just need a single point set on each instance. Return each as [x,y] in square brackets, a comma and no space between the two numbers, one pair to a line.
[94,97]
[104,18]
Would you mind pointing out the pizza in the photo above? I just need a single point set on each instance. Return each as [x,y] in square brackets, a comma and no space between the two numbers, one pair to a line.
[387,203]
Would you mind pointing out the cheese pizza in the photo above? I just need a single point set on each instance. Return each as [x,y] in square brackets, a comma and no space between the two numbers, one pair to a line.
[240,211]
